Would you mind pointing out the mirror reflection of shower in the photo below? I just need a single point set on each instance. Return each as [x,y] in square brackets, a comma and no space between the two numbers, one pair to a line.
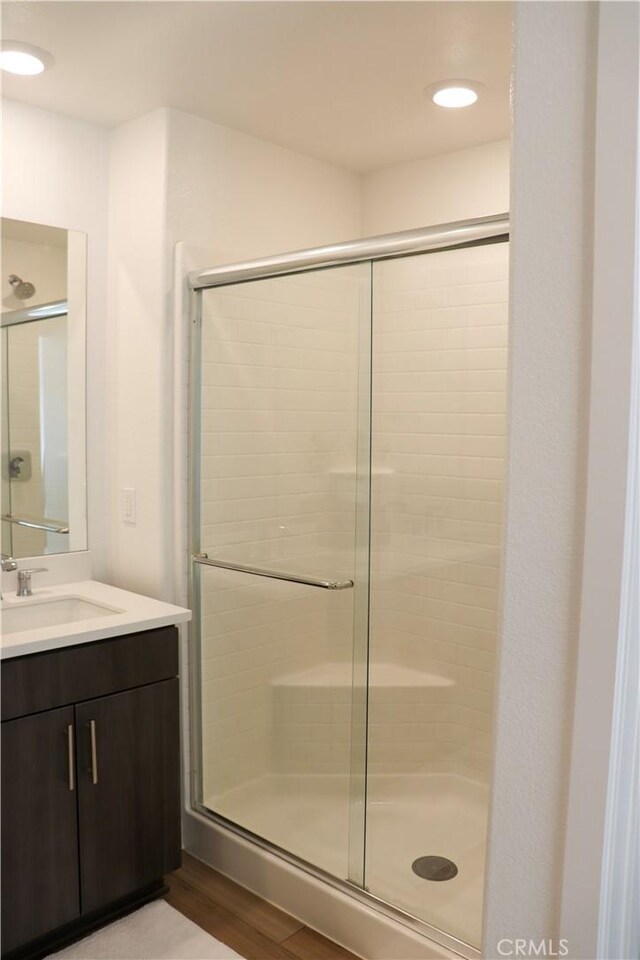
[22,289]
[42,395]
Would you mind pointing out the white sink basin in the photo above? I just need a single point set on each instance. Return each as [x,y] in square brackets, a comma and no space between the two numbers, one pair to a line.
[28,615]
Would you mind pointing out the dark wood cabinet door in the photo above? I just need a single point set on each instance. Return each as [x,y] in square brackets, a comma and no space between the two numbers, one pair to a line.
[128,791]
[40,879]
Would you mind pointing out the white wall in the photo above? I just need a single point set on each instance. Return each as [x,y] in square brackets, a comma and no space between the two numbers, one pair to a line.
[139,356]
[451,186]
[601,893]
[54,171]
[548,365]
[246,198]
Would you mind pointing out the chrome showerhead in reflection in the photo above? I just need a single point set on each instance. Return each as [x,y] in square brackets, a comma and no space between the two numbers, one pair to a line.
[22,289]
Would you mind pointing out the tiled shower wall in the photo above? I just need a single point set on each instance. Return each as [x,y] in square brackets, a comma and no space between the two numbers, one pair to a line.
[279,421]
[439,393]
[279,439]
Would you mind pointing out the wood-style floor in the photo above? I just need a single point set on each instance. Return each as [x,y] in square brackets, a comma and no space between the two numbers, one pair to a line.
[249,925]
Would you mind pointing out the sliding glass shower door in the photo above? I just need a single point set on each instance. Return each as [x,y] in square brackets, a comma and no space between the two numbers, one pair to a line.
[348,459]
[281,570]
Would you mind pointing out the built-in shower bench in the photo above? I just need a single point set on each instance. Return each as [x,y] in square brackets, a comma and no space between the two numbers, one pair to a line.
[341,675]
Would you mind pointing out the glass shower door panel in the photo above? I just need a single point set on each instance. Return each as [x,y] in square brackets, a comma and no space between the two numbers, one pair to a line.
[439,379]
[282,453]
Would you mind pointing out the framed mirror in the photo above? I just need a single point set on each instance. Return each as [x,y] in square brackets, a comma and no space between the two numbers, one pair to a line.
[43,390]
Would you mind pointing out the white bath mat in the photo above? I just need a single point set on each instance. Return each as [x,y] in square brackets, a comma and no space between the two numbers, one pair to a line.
[155,932]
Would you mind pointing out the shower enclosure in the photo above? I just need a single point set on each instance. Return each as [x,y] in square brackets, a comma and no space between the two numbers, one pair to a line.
[347,443]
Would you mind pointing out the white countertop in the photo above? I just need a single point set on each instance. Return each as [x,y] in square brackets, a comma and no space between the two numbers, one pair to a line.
[132,613]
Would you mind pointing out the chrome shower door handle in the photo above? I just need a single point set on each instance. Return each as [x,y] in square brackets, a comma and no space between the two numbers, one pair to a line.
[208,561]
[94,752]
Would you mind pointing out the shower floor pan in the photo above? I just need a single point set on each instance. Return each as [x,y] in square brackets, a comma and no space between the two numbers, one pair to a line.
[408,816]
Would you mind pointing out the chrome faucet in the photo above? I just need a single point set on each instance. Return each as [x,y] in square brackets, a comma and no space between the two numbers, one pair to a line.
[24,580]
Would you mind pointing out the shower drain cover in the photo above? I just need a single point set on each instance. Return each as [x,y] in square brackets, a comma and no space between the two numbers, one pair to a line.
[434,868]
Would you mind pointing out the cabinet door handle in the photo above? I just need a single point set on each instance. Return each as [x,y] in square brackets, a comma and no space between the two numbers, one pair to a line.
[71,757]
[94,752]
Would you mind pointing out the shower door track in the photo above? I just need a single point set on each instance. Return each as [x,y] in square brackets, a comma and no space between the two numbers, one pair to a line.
[44,311]
[448,236]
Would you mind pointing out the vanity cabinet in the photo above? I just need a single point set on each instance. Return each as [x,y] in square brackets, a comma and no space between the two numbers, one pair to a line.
[90,786]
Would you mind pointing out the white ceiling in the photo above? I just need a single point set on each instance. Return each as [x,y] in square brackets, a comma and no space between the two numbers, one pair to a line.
[338,80]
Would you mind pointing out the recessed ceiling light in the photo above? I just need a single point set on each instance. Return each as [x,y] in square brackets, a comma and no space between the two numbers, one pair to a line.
[23,58]
[454,94]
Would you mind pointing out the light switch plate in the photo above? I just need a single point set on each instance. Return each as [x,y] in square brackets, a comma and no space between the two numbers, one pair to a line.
[129,510]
